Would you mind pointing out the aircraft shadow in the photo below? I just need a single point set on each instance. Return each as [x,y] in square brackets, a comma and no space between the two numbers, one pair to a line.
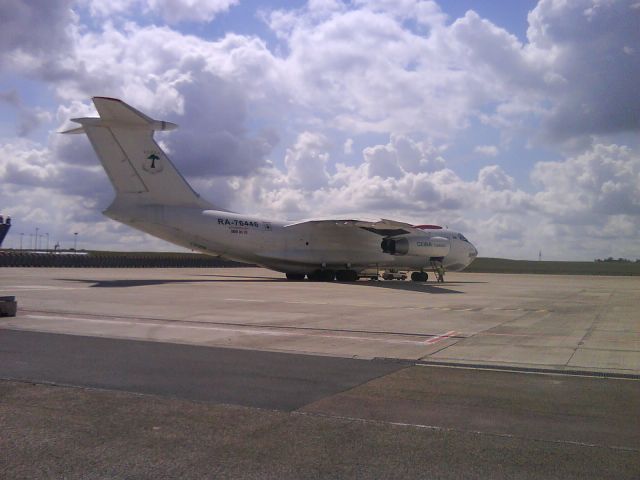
[456,282]
[143,283]
[251,277]
[405,286]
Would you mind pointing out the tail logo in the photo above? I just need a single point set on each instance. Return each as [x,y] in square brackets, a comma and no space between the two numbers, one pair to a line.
[153,163]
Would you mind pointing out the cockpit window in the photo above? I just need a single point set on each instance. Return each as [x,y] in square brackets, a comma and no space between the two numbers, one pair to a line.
[461,236]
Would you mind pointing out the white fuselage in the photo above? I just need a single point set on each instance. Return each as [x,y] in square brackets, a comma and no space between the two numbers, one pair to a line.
[275,245]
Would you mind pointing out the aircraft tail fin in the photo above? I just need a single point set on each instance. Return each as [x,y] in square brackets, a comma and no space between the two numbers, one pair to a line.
[136,165]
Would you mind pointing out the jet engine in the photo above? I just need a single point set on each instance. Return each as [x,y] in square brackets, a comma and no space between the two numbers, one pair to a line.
[416,245]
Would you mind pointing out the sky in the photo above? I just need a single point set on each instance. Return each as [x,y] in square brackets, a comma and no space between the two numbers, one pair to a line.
[516,123]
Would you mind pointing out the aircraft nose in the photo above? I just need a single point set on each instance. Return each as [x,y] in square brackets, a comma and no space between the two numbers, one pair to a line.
[473,251]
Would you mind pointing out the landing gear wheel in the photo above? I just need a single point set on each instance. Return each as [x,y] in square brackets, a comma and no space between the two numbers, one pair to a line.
[346,275]
[419,276]
[295,276]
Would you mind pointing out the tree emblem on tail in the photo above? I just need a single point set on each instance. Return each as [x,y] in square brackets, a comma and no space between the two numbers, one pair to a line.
[153,163]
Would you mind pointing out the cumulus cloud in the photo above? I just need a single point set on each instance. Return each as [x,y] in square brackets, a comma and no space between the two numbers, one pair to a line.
[32,26]
[495,178]
[401,155]
[487,150]
[382,162]
[347,148]
[29,119]
[375,74]
[171,11]
[379,184]
[158,70]
[603,180]
[595,87]
[175,11]
[30,29]
[60,199]
[99,8]
[306,162]
[191,81]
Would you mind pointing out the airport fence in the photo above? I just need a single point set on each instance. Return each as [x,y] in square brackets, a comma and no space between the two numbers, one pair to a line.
[96,259]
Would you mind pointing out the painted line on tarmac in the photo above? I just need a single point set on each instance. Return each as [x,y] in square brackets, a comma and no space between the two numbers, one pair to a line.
[251,300]
[443,336]
[529,370]
[463,431]
[291,302]
[414,307]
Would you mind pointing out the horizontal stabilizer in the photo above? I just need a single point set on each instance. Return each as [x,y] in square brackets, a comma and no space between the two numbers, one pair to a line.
[116,113]
[74,131]
[100,122]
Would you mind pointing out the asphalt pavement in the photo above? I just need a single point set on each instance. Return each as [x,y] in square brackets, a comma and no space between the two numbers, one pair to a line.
[82,407]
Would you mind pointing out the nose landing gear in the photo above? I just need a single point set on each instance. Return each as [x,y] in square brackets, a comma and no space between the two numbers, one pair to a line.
[419,276]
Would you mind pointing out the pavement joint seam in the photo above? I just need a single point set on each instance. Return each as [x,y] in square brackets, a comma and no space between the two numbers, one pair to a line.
[470,432]
[234,324]
[589,331]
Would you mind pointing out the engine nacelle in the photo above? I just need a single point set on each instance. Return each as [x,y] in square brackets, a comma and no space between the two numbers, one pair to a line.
[416,245]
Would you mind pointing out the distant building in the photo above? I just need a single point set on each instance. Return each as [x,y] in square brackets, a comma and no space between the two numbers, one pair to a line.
[4,228]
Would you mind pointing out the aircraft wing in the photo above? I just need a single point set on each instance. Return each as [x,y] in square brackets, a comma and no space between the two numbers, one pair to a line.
[383,227]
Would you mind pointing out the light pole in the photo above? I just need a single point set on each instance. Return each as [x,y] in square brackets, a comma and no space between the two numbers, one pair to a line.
[75,242]
[37,237]
[31,241]
[21,235]
[47,241]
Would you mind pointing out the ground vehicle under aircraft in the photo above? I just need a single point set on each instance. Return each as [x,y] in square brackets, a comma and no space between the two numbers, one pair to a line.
[152,196]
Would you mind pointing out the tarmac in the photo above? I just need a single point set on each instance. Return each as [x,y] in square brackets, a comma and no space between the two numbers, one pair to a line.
[238,373]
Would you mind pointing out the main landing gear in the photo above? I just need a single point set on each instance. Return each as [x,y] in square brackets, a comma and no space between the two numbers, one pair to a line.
[322,276]
[346,275]
[326,276]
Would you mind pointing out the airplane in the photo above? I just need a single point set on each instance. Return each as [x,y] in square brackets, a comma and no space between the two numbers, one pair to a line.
[152,196]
